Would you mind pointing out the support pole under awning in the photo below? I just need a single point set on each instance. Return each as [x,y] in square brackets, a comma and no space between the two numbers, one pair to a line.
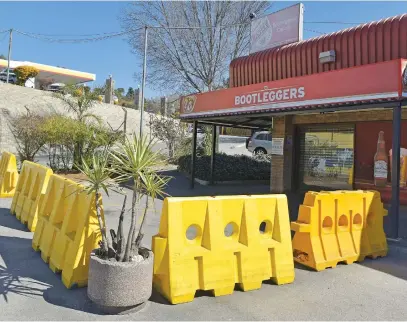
[395,172]
[193,154]
[214,133]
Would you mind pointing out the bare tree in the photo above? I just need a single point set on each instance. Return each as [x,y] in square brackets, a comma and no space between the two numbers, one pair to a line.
[195,59]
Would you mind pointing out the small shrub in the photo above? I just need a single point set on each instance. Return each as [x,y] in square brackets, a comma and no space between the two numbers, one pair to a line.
[227,167]
[169,130]
[23,73]
[27,131]
[60,133]
[63,135]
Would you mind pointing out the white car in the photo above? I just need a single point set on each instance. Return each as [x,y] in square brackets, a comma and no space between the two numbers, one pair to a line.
[259,143]
[56,87]
[12,77]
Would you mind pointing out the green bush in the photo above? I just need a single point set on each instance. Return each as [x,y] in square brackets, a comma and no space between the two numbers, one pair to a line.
[227,167]
[60,134]
[67,139]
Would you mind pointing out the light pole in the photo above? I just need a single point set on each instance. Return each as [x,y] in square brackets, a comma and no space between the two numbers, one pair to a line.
[143,82]
[9,54]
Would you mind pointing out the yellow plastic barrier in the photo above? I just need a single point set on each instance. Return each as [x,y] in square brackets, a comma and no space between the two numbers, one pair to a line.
[8,175]
[339,226]
[211,243]
[30,190]
[350,178]
[67,230]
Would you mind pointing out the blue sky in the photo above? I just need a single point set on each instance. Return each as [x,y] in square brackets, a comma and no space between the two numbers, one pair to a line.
[113,56]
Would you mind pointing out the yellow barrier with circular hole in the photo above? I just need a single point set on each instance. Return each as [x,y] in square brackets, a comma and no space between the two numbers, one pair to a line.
[339,226]
[213,243]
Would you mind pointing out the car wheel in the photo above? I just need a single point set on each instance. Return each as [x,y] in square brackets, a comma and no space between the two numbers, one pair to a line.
[260,151]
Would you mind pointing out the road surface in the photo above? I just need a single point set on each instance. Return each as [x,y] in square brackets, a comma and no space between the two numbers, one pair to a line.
[29,290]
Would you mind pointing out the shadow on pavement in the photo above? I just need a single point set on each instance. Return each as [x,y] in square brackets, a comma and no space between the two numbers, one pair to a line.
[26,274]
[10,221]
[392,265]
[179,186]
[156,297]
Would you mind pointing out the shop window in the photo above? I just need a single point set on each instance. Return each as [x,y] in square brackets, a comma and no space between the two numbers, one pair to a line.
[326,158]
[366,147]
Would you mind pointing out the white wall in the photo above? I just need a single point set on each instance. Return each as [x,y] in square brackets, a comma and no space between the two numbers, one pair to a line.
[14,99]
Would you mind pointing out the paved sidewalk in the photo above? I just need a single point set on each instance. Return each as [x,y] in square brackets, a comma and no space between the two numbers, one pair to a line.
[373,290]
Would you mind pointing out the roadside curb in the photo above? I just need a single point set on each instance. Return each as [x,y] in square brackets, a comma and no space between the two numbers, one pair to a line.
[234,182]
[225,183]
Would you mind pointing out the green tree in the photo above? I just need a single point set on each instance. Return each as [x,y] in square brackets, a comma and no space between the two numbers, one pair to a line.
[100,90]
[130,93]
[3,57]
[119,92]
[79,101]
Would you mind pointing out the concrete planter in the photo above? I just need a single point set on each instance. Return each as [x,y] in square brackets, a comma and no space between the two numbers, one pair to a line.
[120,287]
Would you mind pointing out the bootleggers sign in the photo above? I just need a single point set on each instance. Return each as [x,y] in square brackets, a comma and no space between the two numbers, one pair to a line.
[363,83]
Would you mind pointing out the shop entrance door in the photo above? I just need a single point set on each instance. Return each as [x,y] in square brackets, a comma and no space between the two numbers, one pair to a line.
[325,158]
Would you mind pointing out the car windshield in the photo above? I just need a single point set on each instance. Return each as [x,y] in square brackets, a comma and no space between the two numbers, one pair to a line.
[4,71]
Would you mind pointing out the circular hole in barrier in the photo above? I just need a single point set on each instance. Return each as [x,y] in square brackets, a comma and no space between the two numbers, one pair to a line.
[265,227]
[370,219]
[357,220]
[230,229]
[262,227]
[343,221]
[192,232]
[327,223]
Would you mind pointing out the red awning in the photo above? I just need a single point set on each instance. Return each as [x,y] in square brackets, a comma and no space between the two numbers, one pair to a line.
[364,85]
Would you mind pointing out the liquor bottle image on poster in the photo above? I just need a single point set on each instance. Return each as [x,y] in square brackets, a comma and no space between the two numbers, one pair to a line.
[380,162]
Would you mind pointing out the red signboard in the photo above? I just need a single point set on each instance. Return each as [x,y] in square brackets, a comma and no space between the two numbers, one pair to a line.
[277,29]
[368,82]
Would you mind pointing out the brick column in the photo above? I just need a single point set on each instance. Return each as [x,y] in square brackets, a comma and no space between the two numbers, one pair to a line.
[282,165]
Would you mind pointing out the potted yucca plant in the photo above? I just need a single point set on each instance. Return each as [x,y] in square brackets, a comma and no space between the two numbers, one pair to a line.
[121,270]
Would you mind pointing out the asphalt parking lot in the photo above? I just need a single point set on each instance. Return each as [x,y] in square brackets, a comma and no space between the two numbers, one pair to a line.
[372,290]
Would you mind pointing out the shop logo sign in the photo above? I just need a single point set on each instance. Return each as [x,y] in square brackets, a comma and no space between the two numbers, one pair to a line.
[273,95]
[189,103]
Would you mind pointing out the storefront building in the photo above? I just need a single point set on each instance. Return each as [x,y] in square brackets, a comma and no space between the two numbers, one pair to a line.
[327,101]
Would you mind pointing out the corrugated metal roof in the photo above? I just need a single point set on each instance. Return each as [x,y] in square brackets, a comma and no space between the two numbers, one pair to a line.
[368,43]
